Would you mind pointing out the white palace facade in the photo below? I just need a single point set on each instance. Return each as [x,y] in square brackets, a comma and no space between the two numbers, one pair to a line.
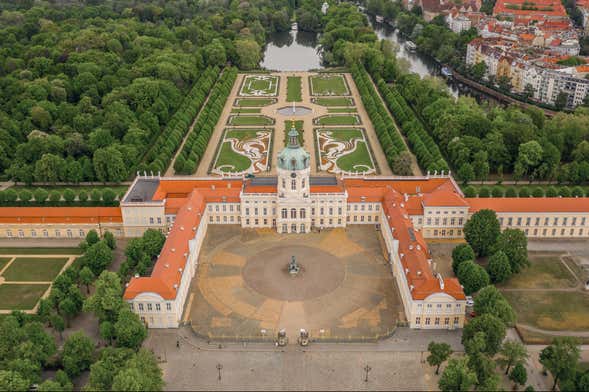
[406,211]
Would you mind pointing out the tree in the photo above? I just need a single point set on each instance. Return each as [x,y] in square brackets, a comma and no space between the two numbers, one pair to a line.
[129,329]
[140,373]
[153,241]
[499,268]
[518,375]
[78,352]
[92,237]
[561,100]
[479,70]
[439,353]
[466,173]
[58,323]
[461,253]
[493,328]
[86,278]
[106,302]
[13,381]
[98,257]
[109,238]
[49,168]
[514,244]
[561,358]
[107,331]
[457,376]
[472,277]
[112,360]
[401,164]
[68,309]
[248,54]
[490,300]
[512,353]
[481,231]
[483,366]
[109,165]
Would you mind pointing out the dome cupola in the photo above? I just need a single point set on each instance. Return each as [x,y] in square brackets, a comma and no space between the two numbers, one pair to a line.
[293,157]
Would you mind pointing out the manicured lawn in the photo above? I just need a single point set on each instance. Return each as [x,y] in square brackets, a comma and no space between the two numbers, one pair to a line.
[249,120]
[233,158]
[342,110]
[3,262]
[344,150]
[259,85]
[339,101]
[298,125]
[40,251]
[293,89]
[20,296]
[246,110]
[545,272]
[254,102]
[338,120]
[551,310]
[34,269]
[329,84]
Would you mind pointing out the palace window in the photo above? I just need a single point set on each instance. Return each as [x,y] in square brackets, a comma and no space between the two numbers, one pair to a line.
[141,307]
[293,228]
[447,321]
[303,183]
[427,321]
[293,185]
[33,233]
[45,233]
[158,307]
[417,320]
[302,213]
[256,211]
[21,233]
[284,213]
[8,233]
[437,321]
[168,306]
[302,228]
[82,234]
[149,307]
[293,213]
[284,228]
[456,320]
[283,183]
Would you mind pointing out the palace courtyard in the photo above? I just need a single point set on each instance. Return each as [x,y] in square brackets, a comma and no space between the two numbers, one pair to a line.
[344,290]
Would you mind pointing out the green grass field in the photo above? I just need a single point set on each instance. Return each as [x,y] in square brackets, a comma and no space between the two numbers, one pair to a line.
[545,272]
[40,251]
[551,310]
[328,84]
[254,102]
[338,119]
[228,160]
[259,85]
[34,269]
[249,120]
[20,296]
[246,111]
[358,160]
[338,101]
[3,262]
[293,89]
[298,125]
[342,110]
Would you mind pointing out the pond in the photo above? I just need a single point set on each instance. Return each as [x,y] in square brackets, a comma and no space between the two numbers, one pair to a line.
[292,51]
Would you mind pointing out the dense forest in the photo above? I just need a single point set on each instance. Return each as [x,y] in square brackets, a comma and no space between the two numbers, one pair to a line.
[87,87]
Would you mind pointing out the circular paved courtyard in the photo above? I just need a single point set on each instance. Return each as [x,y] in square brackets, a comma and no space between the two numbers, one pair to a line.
[242,286]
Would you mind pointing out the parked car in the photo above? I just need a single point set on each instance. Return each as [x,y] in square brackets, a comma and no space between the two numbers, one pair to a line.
[469,301]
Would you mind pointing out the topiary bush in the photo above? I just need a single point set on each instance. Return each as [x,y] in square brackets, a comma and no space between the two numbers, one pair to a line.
[69,195]
[95,195]
[511,192]
[524,192]
[565,191]
[54,196]
[25,195]
[538,192]
[83,196]
[551,191]
[498,191]
[484,191]
[470,191]
[577,192]
[40,195]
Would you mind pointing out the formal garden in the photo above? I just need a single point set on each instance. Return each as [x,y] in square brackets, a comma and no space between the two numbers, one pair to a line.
[329,84]
[293,89]
[337,120]
[253,102]
[333,101]
[249,120]
[259,86]
[344,150]
[243,151]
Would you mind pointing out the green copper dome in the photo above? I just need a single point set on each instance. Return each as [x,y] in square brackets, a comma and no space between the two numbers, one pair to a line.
[293,156]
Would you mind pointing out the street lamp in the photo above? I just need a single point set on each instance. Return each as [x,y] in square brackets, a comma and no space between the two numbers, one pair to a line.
[367,369]
[219,367]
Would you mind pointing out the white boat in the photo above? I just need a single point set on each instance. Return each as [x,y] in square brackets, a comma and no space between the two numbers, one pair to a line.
[379,18]
[410,45]
[446,72]
[294,26]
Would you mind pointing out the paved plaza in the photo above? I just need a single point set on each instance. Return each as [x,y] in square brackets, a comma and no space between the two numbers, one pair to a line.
[242,289]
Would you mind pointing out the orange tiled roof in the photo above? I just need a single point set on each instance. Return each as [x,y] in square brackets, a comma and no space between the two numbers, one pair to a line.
[445,195]
[531,204]
[60,215]
[414,253]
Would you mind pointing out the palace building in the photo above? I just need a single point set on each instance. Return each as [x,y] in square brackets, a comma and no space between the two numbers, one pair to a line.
[406,211]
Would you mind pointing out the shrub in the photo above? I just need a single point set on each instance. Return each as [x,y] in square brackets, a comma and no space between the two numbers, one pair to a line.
[25,195]
[511,192]
[524,192]
[10,195]
[40,195]
[108,195]
[577,192]
[484,191]
[538,192]
[470,191]
[95,195]
[498,191]
[69,195]
[565,191]
[83,196]
[551,191]
[54,196]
